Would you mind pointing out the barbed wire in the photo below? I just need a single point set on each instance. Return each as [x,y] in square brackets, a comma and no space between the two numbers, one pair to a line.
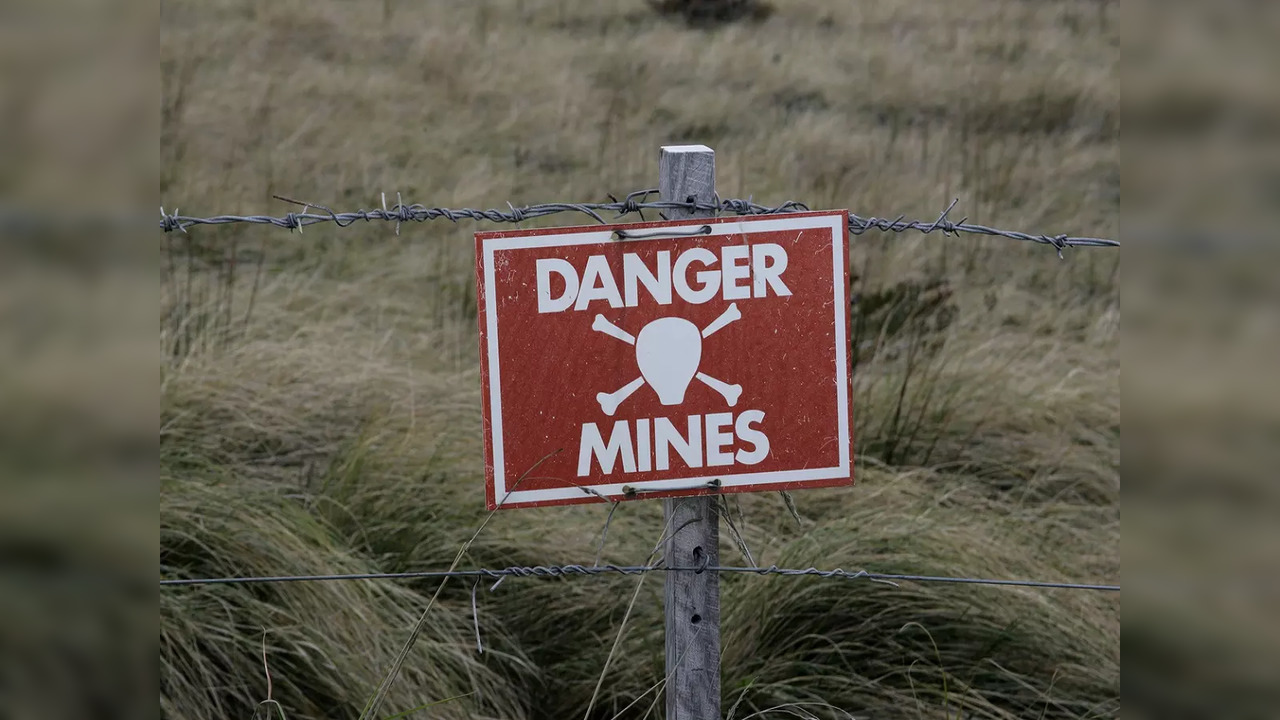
[499,574]
[633,203]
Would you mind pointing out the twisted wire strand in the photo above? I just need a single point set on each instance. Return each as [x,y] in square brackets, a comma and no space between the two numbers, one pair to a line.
[499,574]
[633,203]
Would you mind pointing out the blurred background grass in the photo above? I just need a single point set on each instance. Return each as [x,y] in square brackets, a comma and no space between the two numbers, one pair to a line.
[319,406]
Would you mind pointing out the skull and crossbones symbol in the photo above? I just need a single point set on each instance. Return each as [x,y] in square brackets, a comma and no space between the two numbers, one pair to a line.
[668,351]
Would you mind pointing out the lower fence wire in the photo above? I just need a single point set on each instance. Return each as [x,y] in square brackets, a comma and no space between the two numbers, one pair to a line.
[580,570]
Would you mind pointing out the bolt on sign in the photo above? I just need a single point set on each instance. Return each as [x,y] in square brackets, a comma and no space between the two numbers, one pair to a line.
[665,359]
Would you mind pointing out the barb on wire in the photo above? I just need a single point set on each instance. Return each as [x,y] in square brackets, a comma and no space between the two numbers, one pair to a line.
[571,570]
[633,203]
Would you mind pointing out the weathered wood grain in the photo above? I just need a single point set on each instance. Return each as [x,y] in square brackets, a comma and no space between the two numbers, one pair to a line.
[688,172]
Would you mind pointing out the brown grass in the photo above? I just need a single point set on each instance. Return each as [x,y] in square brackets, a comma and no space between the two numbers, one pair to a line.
[338,427]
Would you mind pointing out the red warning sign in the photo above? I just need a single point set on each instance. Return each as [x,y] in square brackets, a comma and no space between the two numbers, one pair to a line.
[665,359]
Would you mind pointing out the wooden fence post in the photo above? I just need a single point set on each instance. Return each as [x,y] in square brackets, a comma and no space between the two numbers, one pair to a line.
[692,607]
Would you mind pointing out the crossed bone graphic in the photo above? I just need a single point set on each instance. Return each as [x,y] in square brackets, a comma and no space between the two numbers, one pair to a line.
[668,351]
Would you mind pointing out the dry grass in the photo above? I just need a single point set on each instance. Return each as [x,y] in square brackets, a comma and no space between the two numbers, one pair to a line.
[338,429]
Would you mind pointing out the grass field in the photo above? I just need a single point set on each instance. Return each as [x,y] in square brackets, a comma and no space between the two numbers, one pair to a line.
[320,392]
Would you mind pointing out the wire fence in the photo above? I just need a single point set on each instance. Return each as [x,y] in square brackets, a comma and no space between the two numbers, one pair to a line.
[633,203]
[543,571]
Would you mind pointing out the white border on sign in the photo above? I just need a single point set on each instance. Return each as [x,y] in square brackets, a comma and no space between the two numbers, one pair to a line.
[744,225]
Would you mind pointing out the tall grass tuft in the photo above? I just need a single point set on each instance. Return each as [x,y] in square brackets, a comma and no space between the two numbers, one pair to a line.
[327,642]
[913,650]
